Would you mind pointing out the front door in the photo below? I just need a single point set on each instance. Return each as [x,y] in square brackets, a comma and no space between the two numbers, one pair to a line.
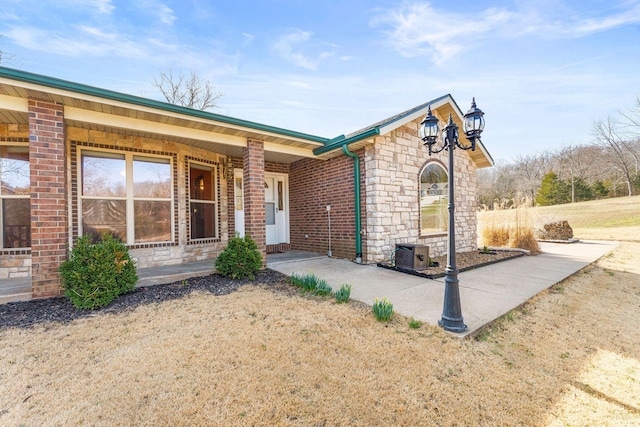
[276,202]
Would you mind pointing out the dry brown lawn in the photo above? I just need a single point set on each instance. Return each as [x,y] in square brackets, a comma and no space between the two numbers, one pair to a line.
[262,357]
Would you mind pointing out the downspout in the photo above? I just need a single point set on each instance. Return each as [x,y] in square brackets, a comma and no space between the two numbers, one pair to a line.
[356,186]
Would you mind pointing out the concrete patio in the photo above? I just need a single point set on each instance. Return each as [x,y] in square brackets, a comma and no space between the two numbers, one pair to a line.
[486,293]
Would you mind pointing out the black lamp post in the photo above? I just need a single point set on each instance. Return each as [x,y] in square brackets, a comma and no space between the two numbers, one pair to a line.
[473,126]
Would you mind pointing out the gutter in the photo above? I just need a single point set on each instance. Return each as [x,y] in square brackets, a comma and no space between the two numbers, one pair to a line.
[78,88]
[335,144]
[356,186]
[342,142]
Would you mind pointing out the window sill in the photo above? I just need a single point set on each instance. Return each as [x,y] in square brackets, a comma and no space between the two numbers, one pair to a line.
[432,235]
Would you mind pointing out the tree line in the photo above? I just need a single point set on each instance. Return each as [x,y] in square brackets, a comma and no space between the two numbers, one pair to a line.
[607,166]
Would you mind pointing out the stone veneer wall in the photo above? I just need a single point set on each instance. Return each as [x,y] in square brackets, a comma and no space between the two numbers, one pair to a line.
[181,250]
[393,166]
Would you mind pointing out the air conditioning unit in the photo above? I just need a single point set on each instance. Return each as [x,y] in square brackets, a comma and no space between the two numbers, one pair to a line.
[412,257]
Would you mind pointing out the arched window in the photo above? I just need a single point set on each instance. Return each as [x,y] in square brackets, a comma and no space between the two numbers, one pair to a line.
[433,199]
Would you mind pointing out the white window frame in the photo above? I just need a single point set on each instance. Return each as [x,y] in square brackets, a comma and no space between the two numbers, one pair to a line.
[433,232]
[128,197]
[214,202]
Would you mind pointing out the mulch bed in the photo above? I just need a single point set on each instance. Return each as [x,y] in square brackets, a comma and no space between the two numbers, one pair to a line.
[26,314]
[464,261]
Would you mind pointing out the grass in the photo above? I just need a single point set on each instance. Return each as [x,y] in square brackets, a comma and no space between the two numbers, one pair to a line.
[264,357]
[515,230]
[605,219]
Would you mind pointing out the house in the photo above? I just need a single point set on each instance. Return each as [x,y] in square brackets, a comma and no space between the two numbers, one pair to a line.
[175,183]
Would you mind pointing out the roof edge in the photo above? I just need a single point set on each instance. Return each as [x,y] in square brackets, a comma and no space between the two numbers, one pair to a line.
[55,83]
[339,142]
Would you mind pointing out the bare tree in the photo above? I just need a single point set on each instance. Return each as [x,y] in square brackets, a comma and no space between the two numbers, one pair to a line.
[6,57]
[576,162]
[530,170]
[192,92]
[608,135]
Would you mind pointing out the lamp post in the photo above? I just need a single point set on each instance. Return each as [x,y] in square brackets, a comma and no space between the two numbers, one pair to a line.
[473,123]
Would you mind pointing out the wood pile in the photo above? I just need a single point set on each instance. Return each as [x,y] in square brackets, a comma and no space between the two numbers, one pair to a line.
[559,230]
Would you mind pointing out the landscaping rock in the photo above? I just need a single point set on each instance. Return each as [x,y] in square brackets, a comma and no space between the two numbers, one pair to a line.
[559,230]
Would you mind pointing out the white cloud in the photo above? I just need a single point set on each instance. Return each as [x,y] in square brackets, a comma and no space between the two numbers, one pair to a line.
[294,48]
[419,29]
[104,7]
[87,41]
[248,38]
[165,14]
[161,11]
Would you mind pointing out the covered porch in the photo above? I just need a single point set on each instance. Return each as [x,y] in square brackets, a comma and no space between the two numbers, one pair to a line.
[12,290]
[57,125]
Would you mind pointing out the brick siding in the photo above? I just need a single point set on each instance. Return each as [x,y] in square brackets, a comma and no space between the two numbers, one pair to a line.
[253,181]
[47,160]
[313,185]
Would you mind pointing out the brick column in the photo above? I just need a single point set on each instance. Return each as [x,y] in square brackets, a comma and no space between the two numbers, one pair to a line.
[49,226]
[254,210]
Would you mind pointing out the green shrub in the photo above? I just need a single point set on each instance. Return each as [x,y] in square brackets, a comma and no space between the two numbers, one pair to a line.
[383,309]
[97,273]
[240,259]
[322,288]
[343,294]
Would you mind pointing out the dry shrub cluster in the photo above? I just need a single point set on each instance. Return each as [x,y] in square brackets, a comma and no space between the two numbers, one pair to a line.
[518,232]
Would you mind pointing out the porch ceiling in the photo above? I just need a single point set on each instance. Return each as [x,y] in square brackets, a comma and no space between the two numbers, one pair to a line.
[154,119]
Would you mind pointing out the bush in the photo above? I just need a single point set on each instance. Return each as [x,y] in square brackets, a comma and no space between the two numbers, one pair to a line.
[97,273]
[343,294]
[383,309]
[240,259]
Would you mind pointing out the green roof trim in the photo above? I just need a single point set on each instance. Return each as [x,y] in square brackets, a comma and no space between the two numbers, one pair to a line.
[55,83]
[374,129]
[346,141]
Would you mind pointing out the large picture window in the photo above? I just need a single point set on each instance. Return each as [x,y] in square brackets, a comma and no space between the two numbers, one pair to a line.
[433,199]
[127,195]
[15,186]
[202,201]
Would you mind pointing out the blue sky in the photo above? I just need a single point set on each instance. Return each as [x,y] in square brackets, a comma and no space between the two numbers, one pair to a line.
[542,71]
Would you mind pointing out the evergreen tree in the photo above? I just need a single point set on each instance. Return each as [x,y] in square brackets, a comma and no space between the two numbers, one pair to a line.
[581,190]
[553,191]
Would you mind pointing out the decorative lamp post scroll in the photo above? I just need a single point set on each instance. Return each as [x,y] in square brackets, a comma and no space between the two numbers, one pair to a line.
[473,123]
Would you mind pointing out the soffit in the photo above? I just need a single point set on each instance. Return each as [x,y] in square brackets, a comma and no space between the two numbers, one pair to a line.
[94,113]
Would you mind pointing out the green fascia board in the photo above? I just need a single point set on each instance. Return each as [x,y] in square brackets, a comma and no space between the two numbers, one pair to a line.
[346,141]
[55,83]
[340,141]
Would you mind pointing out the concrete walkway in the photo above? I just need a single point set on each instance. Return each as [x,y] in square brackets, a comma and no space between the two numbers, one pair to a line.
[486,293]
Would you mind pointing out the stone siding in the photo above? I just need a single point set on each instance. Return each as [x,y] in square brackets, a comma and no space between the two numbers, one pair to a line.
[393,165]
